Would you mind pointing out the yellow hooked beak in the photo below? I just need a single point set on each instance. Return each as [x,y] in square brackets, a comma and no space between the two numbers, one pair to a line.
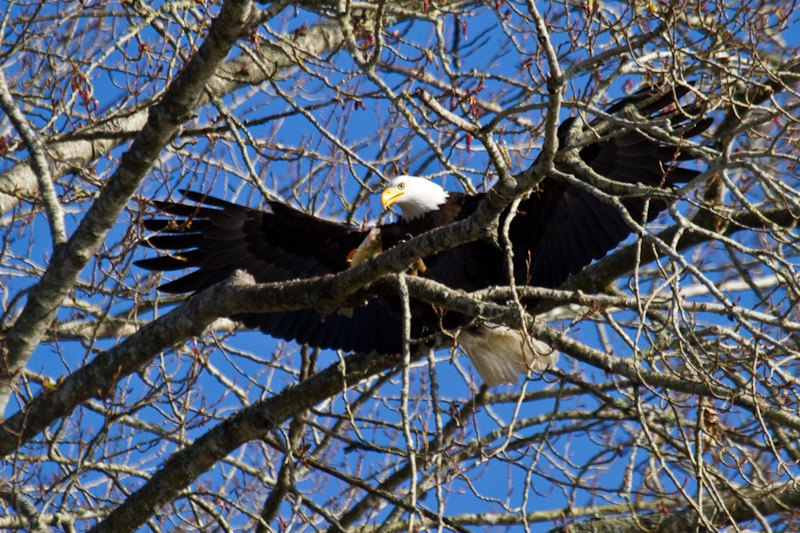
[390,195]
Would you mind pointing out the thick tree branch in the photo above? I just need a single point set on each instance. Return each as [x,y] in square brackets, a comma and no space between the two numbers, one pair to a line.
[177,106]
[323,294]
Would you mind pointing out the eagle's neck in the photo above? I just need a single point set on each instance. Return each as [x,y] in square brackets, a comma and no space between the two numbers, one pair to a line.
[419,205]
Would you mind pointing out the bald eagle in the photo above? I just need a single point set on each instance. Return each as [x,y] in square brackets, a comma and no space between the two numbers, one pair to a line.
[557,231]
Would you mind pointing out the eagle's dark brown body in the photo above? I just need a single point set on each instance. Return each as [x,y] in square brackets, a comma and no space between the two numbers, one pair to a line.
[556,232]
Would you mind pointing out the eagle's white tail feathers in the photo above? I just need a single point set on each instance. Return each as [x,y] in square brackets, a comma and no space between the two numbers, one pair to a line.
[500,353]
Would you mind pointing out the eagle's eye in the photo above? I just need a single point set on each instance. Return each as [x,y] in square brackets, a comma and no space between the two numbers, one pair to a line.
[401,186]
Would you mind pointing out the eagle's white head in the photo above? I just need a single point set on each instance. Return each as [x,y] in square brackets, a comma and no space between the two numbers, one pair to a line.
[414,196]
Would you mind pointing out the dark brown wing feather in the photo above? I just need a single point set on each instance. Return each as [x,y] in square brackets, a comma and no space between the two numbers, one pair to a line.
[219,237]
[561,229]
